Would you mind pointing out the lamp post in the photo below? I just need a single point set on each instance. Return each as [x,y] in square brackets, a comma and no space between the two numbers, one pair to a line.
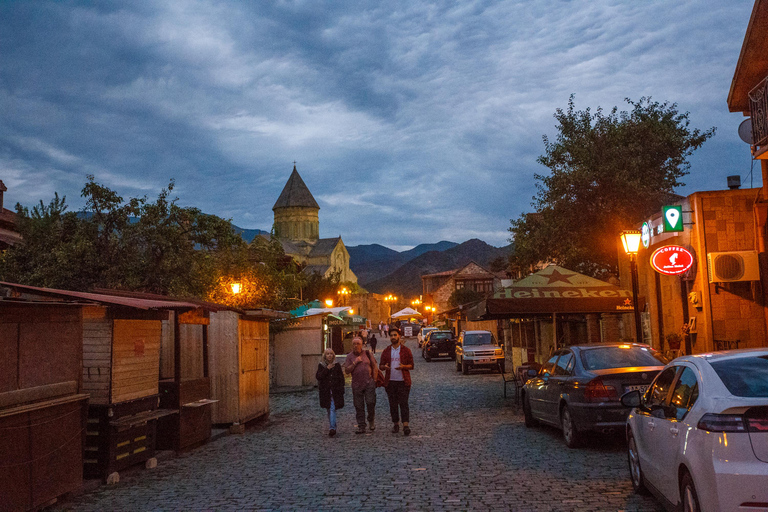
[389,299]
[343,293]
[630,239]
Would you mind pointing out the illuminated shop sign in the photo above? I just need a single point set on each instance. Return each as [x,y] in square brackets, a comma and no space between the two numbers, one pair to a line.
[671,260]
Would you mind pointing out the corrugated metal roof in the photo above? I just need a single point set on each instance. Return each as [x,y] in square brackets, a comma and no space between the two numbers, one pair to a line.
[130,302]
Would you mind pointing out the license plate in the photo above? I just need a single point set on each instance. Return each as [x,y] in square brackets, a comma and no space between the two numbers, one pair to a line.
[443,353]
[483,361]
[639,387]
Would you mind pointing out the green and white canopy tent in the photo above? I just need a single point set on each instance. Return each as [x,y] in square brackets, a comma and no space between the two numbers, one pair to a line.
[554,290]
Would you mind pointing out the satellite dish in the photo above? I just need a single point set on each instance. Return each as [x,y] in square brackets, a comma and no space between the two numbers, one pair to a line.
[745,131]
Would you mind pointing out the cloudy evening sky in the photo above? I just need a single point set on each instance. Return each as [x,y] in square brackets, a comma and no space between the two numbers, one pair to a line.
[410,121]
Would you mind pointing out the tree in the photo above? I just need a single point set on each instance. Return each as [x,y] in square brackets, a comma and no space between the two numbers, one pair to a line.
[607,172]
[464,296]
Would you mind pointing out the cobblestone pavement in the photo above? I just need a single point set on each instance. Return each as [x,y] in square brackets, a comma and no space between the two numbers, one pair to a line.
[468,450]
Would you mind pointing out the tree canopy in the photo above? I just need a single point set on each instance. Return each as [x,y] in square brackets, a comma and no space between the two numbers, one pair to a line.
[152,246]
[606,173]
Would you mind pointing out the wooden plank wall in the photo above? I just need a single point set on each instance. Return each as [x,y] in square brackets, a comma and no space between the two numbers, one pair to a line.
[135,359]
[39,345]
[97,354]
[167,349]
[254,368]
[224,366]
[191,351]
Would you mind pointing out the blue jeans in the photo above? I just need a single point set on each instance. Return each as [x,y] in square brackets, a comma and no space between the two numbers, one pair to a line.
[332,415]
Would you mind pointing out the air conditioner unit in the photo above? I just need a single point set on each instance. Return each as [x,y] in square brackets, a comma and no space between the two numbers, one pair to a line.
[726,267]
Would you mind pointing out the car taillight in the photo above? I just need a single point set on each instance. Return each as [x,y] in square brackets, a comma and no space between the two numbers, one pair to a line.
[597,391]
[722,423]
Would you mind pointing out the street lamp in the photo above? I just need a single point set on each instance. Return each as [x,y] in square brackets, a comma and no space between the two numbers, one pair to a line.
[630,239]
[236,288]
[329,303]
[343,293]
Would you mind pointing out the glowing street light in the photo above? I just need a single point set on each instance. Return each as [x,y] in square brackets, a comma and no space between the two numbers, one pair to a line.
[329,303]
[236,287]
[630,239]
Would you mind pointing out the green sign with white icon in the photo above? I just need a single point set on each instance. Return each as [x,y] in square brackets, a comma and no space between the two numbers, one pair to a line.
[672,216]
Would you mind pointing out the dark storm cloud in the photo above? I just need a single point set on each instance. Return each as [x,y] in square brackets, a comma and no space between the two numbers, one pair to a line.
[411,121]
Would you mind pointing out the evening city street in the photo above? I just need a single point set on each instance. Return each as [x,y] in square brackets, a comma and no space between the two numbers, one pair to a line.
[469,450]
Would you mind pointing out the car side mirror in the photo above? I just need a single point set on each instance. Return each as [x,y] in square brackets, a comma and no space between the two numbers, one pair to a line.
[631,399]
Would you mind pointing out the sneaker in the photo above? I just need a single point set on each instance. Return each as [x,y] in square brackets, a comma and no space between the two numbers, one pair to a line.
[396,428]
[331,433]
[406,431]
[371,427]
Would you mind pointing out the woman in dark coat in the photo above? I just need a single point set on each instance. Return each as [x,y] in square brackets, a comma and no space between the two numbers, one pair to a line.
[330,383]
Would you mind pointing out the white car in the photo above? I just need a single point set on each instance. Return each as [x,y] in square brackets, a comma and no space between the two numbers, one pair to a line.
[699,436]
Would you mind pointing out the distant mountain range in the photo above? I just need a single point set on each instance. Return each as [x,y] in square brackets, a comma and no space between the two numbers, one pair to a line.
[401,273]
[380,269]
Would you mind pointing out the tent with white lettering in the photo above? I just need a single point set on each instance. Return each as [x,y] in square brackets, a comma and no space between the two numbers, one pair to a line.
[554,289]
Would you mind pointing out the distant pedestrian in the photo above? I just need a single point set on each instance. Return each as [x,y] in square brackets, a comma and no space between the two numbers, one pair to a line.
[386,330]
[362,366]
[397,360]
[373,342]
[330,383]
[381,328]
[364,335]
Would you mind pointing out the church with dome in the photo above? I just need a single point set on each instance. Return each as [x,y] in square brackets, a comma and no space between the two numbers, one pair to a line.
[297,226]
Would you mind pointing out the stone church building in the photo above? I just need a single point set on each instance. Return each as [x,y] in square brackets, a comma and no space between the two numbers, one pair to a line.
[297,226]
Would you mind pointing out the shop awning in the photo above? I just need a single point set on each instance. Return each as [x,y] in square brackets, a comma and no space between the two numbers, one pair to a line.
[554,290]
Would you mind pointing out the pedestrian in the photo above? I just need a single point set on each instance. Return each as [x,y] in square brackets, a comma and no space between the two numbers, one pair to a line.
[373,342]
[330,383]
[386,330]
[381,328]
[397,360]
[364,335]
[362,366]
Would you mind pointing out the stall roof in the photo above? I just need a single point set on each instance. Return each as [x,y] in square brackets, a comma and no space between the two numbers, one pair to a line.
[115,300]
[554,290]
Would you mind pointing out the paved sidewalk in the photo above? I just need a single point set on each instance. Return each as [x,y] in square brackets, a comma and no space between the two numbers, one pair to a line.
[469,450]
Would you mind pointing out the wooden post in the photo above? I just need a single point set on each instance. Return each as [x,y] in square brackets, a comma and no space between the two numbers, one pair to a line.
[176,348]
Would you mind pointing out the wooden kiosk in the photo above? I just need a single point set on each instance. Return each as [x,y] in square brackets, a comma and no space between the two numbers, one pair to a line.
[42,411]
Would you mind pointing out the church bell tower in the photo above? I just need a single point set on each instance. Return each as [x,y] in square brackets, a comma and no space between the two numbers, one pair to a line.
[296,212]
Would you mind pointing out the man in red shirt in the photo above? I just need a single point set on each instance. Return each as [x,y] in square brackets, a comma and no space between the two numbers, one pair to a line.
[397,360]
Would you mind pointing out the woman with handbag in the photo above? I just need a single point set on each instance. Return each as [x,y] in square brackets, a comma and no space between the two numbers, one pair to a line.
[330,383]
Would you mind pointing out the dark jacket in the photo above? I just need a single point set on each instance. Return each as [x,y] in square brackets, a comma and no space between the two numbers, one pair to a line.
[331,385]
[406,357]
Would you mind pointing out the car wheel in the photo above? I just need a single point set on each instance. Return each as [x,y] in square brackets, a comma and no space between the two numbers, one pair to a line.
[428,359]
[458,365]
[688,494]
[530,422]
[464,368]
[635,471]
[570,434]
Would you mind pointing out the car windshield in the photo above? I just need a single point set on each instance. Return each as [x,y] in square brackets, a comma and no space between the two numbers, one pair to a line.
[620,357]
[478,338]
[745,376]
[440,336]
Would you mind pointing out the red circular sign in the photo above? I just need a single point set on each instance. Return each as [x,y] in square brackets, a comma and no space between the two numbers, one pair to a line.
[671,260]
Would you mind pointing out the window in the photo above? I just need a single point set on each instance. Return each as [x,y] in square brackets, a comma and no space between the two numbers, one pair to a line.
[744,376]
[657,394]
[478,285]
[564,364]
[685,394]
[549,365]
[620,357]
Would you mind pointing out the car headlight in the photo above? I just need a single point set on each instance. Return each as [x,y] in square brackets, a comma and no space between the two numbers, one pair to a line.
[499,352]
[469,353]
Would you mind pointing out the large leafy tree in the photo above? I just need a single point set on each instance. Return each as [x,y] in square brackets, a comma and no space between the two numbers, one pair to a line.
[606,173]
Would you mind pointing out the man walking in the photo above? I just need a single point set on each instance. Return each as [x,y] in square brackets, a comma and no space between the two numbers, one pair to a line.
[362,366]
[397,360]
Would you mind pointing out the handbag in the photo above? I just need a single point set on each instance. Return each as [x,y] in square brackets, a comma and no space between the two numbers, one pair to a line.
[379,377]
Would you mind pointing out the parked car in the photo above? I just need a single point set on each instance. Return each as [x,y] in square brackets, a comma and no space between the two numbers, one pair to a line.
[423,334]
[439,344]
[699,436]
[478,349]
[579,388]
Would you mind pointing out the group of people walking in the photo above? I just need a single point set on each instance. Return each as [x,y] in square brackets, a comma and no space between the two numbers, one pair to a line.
[393,372]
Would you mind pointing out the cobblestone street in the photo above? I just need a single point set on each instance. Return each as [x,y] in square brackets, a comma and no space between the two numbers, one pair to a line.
[469,450]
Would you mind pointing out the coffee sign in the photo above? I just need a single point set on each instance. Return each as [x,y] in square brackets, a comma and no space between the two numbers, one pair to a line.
[671,260]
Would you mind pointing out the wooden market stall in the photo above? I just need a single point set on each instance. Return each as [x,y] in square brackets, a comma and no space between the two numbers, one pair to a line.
[239,365]
[120,339]
[42,409]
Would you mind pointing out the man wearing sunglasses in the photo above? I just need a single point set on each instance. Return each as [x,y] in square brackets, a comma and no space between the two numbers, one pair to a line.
[397,360]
